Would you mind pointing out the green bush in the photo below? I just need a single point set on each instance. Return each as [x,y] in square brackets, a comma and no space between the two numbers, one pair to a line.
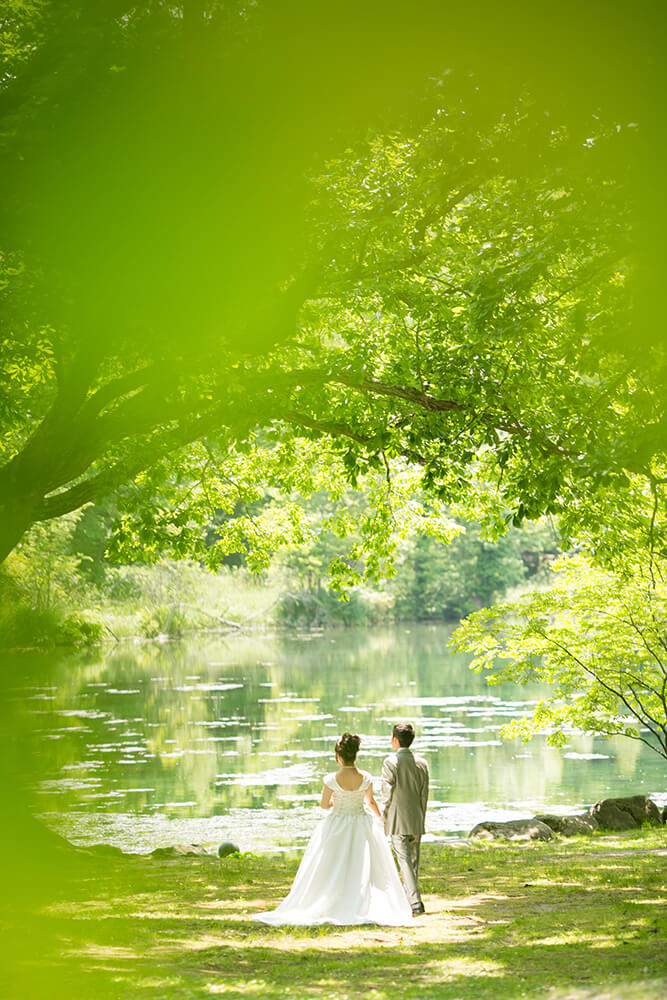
[22,626]
[75,630]
[163,620]
[316,609]
[122,585]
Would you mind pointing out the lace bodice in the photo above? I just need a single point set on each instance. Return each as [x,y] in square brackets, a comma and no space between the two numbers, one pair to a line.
[348,803]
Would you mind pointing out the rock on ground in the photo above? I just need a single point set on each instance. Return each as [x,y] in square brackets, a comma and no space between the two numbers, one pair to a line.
[104,849]
[515,829]
[228,848]
[626,814]
[570,826]
[181,851]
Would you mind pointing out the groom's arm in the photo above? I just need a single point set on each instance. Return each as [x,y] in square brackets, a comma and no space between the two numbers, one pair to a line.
[388,784]
[424,790]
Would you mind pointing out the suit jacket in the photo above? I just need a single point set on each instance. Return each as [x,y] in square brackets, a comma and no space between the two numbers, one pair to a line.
[405,786]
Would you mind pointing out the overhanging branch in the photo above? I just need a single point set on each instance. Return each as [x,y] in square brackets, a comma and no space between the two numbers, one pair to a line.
[338,429]
[100,485]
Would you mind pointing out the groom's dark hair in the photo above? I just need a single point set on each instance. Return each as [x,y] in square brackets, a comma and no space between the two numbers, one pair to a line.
[404,733]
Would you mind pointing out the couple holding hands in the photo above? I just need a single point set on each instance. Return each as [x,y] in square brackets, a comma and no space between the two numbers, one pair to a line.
[347,874]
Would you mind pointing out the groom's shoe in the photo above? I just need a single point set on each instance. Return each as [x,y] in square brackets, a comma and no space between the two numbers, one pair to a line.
[418,909]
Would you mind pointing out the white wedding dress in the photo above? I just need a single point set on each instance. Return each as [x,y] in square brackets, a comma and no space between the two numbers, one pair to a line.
[347,874]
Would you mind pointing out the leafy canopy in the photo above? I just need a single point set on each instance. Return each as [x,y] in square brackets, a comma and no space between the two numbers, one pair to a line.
[597,633]
[598,639]
[432,302]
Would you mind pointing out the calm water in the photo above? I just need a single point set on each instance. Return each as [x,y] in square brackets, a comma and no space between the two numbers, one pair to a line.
[214,739]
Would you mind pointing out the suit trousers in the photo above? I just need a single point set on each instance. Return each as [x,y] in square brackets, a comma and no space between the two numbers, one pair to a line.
[406,846]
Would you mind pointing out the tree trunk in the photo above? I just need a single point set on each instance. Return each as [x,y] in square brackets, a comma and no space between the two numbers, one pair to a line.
[15,519]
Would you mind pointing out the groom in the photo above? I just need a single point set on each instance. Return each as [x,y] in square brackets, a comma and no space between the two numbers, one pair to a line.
[405,785]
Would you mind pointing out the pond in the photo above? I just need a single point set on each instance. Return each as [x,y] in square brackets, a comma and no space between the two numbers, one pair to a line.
[228,737]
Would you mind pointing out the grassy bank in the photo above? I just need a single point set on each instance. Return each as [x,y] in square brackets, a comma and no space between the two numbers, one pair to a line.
[171,599]
[575,919]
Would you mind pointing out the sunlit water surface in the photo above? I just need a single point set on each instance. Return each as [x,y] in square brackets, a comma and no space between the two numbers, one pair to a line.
[227,738]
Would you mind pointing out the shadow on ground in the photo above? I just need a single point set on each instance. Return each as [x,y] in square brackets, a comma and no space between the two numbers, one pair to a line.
[545,921]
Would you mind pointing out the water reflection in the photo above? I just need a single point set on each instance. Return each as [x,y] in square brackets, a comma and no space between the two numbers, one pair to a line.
[228,738]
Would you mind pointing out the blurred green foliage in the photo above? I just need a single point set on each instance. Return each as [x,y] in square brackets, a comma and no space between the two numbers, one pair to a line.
[435,258]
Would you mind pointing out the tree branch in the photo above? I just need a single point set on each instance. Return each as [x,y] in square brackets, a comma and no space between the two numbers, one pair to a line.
[424,399]
[617,694]
[338,429]
[97,486]
[646,644]
[114,389]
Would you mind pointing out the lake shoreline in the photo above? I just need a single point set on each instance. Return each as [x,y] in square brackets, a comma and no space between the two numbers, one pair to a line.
[619,813]
[214,739]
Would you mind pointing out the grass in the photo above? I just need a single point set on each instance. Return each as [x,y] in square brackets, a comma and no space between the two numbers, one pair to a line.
[178,597]
[577,919]
[171,598]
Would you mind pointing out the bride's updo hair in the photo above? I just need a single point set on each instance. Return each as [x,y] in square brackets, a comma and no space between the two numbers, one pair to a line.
[347,747]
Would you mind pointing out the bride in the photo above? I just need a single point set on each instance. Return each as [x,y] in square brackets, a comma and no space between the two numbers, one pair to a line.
[347,874]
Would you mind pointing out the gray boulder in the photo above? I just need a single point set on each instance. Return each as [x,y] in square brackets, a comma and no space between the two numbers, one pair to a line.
[626,814]
[181,851]
[515,829]
[570,826]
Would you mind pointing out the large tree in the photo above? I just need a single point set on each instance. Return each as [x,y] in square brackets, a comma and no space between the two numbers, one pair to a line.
[222,268]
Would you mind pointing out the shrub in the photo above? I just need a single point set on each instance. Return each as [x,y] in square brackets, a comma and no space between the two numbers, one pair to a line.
[163,620]
[75,630]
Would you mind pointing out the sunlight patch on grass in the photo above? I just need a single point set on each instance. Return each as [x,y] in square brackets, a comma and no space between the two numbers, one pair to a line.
[481,899]
[247,986]
[156,982]
[331,939]
[462,967]
[202,943]
[103,951]
[243,906]
[566,938]
[79,911]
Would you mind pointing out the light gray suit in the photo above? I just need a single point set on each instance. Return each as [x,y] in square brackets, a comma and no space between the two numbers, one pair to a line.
[405,787]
